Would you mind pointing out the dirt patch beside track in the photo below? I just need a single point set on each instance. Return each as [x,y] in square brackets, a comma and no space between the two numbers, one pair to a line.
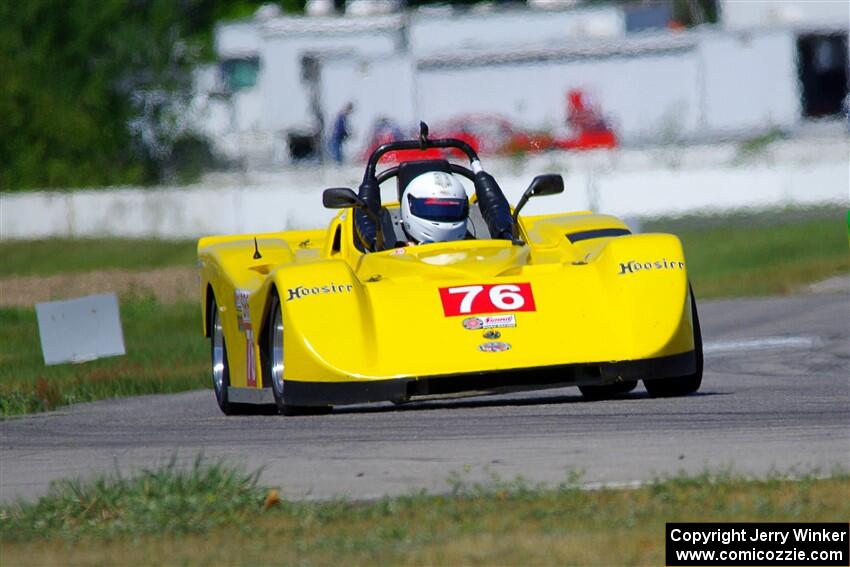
[167,285]
[838,284]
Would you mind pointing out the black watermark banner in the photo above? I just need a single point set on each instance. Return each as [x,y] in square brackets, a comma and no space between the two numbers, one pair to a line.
[745,544]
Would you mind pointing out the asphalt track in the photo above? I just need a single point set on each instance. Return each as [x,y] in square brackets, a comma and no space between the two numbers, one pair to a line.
[775,397]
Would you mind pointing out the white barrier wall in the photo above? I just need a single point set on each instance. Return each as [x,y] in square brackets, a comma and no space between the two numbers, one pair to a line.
[642,96]
[449,31]
[749,82]
[711,82]
[285,96]
[376,85]
[701,85]
[292,200]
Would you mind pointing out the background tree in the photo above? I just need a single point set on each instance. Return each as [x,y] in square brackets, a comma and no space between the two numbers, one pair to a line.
[89,89]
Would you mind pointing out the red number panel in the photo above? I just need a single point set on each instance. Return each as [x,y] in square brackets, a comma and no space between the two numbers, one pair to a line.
[476,299]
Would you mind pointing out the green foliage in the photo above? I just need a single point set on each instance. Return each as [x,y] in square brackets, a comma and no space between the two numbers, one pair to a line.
[91,90]
[695,12]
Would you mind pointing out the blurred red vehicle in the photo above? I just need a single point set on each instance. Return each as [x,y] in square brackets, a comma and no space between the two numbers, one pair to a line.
[487,134]
[591,129]
[493,135]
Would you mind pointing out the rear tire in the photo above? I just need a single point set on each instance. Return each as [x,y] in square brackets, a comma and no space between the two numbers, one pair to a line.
[607,391]
[275,364]
[681,385]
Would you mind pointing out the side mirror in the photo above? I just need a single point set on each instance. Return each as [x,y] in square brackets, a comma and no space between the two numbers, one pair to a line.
[345,198]
[546,184]
[341,198]
[542,185]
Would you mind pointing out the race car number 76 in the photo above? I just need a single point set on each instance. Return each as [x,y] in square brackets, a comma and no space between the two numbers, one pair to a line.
[476,299]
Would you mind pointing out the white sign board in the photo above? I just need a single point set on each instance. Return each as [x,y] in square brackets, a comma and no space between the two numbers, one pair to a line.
[81,329]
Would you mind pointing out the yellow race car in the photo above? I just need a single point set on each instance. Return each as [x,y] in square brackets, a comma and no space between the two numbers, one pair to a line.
[304,320]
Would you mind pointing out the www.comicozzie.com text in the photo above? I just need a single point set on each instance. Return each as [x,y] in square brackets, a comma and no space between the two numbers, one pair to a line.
[744,534]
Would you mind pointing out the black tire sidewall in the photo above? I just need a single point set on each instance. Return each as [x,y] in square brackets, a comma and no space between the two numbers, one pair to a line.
[682,385]
[274,308]
[221,397]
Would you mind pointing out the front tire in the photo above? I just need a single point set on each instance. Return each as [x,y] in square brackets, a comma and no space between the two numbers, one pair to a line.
[275,353]
[681,385]
[275,362]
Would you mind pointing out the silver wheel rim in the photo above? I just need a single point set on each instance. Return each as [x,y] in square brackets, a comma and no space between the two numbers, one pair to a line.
[277,352]
[217,353]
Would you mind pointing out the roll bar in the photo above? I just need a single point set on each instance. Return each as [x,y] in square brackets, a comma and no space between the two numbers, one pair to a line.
[422,144]
[491,200]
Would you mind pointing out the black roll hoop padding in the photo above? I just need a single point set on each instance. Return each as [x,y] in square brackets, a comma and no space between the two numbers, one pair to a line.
[494,206]
[365,227]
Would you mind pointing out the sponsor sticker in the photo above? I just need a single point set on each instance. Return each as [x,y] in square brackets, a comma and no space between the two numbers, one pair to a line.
[633,266]
[489,322]
[477,299]
[243,318]
[303,291]
[494,346]
[243,313]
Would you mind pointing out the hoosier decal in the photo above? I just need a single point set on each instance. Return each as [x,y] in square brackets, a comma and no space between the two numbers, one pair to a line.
[633,266]
[302,291]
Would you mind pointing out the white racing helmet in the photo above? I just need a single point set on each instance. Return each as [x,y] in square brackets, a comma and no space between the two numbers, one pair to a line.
[434,208]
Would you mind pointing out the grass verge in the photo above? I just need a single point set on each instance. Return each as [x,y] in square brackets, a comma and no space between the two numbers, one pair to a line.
[215,514]
[761,254]
[165,353]
[59,256]
[157,501]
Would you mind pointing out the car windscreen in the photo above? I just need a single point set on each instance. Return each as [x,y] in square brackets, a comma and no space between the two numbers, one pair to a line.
[439,209]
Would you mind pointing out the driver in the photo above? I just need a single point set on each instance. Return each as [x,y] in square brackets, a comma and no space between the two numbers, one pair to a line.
[434,208]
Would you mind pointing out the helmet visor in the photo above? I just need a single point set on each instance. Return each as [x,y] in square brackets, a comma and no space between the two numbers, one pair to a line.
[439,209]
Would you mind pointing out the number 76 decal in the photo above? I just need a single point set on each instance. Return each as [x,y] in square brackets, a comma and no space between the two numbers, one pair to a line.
[476,299]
